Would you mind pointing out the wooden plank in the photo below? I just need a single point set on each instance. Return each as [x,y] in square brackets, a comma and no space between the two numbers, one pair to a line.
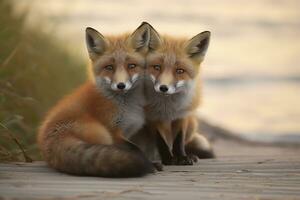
[242,171]
[231,177]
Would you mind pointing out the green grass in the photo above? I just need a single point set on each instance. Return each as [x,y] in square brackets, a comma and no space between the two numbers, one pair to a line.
[35,71]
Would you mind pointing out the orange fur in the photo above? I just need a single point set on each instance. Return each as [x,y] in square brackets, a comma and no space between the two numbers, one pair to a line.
[173,48]
[170,56]
[82,134]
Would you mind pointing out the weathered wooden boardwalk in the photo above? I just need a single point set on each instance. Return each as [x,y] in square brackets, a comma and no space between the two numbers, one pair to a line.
[242,171]
[228,177]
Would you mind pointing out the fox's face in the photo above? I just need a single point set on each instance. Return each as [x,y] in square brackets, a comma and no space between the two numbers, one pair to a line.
[173,63]
[118,62]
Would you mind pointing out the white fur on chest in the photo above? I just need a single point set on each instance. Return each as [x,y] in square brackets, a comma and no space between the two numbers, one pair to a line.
[165,109]
[162,107]
[130,116]
[131,119]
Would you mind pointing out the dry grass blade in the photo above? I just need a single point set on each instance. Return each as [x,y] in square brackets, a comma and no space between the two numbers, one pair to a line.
[11,55]
[26,157]
[36,70]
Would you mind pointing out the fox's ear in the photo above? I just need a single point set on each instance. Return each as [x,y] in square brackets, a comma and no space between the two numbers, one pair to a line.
[155,40]
[95,42]
[140,38]
[145,37]
[197,46]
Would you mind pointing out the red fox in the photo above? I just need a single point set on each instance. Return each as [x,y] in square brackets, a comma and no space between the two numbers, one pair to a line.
[173,92]
[86,132]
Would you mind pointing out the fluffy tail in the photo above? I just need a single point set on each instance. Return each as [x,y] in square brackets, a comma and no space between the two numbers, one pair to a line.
[79,158]
[200,147]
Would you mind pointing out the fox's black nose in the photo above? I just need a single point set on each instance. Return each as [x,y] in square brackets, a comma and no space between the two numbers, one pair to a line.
[121,86]
[163,88]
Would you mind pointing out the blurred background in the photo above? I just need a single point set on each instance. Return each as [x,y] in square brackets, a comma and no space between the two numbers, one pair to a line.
[251,72]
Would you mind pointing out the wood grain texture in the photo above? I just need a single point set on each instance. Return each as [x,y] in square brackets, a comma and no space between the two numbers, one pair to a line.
[242,170]
[229,177]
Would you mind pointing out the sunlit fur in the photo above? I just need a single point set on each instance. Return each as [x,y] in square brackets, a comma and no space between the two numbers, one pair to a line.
[177,107]
[186,88]
[85,133]
[131,99]
[119,55]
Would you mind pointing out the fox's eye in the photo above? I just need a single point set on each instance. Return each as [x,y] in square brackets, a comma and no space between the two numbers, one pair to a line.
[131,66]
[109,67]
[157,67]
[180,71]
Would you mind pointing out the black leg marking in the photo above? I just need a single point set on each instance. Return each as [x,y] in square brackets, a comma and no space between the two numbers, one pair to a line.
[164,151]
[179,151]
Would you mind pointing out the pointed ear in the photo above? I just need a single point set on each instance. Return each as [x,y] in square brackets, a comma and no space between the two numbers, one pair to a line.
[95,42]
[144,37]
[139,39]
[197,46]
[155,40]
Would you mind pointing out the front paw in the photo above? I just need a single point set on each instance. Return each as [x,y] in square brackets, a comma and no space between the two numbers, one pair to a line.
[169,161]
[184,160]
[158,166]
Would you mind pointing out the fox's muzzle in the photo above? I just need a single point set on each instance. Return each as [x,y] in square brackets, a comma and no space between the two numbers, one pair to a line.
[166,84]
[121,84]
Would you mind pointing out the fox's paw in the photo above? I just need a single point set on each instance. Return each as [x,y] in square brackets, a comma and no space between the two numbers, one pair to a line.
[184,160]
[194,158]
[170,161]
[158,166]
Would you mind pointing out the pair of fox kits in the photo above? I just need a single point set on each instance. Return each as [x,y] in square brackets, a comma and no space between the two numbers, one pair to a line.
[144,85]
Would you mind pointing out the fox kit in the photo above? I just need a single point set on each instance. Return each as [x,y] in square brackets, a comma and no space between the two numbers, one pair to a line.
[173,94]
[86,133]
